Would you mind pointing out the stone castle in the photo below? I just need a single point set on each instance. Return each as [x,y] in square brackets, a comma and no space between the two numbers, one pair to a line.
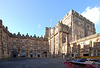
[73,36]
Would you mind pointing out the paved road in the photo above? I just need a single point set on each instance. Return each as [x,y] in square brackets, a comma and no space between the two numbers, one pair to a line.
[32,63]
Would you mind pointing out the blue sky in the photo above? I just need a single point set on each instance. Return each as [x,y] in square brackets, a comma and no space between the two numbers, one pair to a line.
[32,16]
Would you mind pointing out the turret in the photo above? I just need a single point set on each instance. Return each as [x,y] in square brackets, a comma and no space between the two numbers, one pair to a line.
[60,26]
[47,31]
[0,23]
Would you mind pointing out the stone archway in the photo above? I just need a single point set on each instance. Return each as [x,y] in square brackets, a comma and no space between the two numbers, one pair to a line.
[23,53]
[31,53]
[45,54]
[14,53]
[38,54]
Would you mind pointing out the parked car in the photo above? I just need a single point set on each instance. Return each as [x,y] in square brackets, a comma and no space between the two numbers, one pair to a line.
[79,63]
[23,54]
[80,60]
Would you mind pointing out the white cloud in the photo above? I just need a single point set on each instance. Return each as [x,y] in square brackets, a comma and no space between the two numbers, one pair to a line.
[39,25]
[93,14]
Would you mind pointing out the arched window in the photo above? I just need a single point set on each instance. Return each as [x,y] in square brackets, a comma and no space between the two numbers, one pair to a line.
[14,40]
[38,48]
[98,53]
[23,41]
[14,46]
[94,52]
[18,48]
[44,48]
[23,47]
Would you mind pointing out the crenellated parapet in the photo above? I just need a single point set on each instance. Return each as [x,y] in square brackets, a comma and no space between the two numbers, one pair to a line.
[74,13]
[26,36]
[18,35]
[67,15]
[60,27]
[81,17]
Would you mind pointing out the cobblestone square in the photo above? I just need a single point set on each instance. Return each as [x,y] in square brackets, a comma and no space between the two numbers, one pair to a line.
[32,63]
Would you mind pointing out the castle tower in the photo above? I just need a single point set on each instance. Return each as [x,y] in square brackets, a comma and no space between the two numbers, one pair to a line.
[47,32]
[79,26]
[70,28]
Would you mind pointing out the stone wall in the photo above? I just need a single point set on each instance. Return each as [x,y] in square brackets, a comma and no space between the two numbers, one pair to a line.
[14,45]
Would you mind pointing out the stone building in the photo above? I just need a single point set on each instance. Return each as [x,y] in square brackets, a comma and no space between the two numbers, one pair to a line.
[73,27]
[73,36]
[87,46]
[14,45]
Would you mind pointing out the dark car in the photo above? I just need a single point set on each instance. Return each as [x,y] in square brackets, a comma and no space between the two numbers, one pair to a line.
[80,60]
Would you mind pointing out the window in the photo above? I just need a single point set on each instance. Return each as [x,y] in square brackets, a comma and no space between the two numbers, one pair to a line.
[88,27]
[84,46]
[91,29]
[23,47]
[14,40]
[3,44]
[94,52]
[44,48]
[79,23]
[31,45]
[72,55]
[98,53]
[38,43]
[23,41]
[38,48]
[14,47]
[30,41]
[57,52]
[64,40]
[8,49]
[18,48]
[85,54]
[2,51]
[31,51]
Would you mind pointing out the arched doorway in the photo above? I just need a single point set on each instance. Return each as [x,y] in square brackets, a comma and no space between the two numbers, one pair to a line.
[23,53]
[38,54]
[31,53]
[45,54]
[14,53]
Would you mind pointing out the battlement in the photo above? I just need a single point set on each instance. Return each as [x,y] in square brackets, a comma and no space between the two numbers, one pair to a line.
[26,36]
[47,27]
[72,12]
[60,27]
[67,15]
[18,35]
[82,17]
